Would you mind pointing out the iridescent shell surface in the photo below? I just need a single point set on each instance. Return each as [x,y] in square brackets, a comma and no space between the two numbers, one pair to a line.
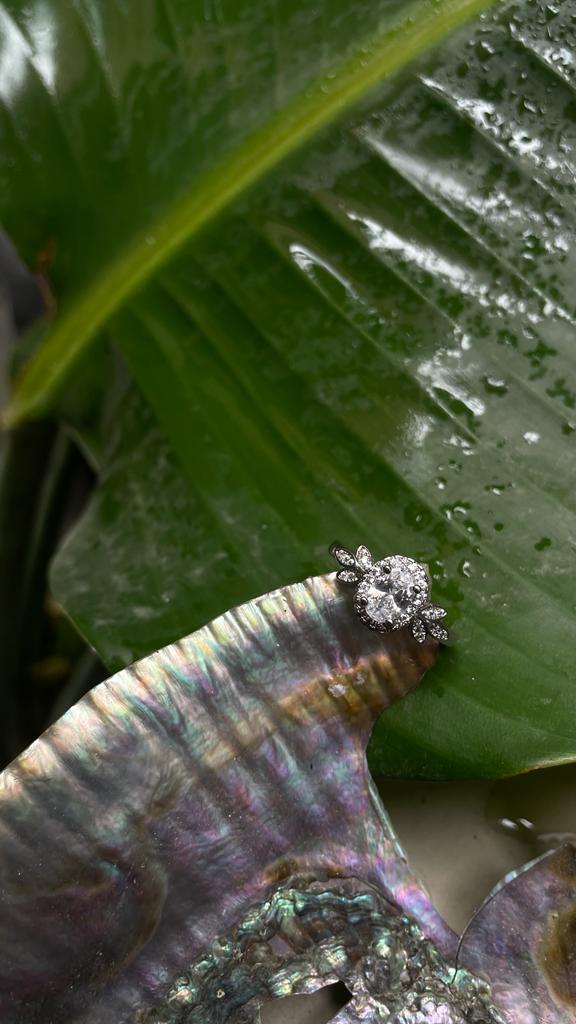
[187,789]
[201,833]
[524,939]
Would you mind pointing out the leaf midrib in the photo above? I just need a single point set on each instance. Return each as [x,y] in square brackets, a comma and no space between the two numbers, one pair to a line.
[381,55]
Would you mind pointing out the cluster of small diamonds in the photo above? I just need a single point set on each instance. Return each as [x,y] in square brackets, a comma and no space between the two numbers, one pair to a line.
[391,593]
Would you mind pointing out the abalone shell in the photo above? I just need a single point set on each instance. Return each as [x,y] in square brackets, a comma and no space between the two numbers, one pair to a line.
[524,939]
[187,789]
[200,833]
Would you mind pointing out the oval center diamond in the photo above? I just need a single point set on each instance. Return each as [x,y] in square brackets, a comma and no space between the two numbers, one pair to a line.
[392,592]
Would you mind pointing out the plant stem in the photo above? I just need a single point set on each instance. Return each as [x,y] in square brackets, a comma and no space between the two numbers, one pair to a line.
[26,453]
[38,464]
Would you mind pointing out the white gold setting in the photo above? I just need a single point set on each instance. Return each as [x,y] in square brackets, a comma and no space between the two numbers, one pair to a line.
[391,593]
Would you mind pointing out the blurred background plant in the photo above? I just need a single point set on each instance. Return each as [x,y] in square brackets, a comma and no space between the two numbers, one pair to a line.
[45,483]
[280,297]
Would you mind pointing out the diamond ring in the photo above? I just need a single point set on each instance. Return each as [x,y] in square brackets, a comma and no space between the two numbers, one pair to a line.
[391,593]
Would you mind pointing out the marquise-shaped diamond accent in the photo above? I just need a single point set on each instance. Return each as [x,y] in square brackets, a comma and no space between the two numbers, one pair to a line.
[437,631]
[364,558]
[419,631]
[433,612]
[343,556]
[347,576]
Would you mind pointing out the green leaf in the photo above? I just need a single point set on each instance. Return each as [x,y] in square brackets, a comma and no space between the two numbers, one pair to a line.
[375,346]
[261,100]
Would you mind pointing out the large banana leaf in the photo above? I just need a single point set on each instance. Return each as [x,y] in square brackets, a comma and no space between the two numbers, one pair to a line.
[374,344]
[134,124]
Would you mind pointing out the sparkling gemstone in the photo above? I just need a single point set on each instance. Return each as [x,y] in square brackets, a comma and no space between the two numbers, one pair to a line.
[419,630]
[392,592]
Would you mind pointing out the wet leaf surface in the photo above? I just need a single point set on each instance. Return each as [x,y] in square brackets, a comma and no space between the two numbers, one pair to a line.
[376,345]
